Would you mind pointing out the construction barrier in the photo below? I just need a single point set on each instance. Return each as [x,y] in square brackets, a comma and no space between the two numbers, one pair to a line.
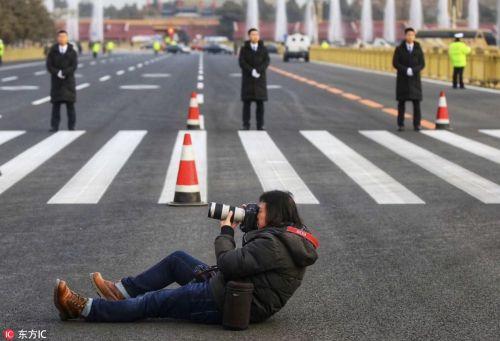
[483,65]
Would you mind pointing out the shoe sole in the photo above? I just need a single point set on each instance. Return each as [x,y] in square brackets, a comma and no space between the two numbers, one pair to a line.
[62,316]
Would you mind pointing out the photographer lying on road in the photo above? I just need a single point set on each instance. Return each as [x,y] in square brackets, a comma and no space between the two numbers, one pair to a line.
[276,250]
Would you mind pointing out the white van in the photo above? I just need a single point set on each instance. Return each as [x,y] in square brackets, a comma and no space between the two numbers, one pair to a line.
[297,46]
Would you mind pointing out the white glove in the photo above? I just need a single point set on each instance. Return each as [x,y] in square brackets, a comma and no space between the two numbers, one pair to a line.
[409,72]
[60,74]
[255,74]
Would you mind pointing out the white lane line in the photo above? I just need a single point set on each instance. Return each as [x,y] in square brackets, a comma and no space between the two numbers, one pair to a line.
[378,184]
[40,73]
[200,98]
[235,75]
[199,139]
[480,188]
[93,179]
[274,86]
[9,79]
[19,87]
[200,78]
[7,135]
[464,143]
[139,65]
[120,72]
[80,65]
[41,101]
[82,86]
[20,66]
[272,168]
[131,68]
[92,62]
[140,87]
[156,75]
[199,85]
[491,132]
[104,61]
[26,162]
[104,78]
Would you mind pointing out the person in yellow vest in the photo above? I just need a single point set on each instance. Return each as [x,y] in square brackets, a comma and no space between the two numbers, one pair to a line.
[325,45]
[167,40]
[96,48]
[156,46]
[110,46]
[458,52]
[2,50]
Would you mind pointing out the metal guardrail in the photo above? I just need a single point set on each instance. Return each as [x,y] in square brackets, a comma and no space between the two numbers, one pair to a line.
[483,65]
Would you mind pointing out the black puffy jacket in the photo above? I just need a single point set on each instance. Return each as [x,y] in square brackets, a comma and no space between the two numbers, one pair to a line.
[273,259]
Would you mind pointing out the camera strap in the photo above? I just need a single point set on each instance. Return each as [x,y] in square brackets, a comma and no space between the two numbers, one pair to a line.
[314,241]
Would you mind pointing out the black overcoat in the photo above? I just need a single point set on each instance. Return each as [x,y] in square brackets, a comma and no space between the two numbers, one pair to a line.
[62,90]
[408,87]
[253,89]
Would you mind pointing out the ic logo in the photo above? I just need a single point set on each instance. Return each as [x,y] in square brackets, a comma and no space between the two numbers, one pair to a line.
[8,334]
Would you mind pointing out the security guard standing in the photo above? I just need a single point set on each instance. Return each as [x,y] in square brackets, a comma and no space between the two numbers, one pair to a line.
[110,46]
[2,49]
[156,46]
[458,52]
[96,48]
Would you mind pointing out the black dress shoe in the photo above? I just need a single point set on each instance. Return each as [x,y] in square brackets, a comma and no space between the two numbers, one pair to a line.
[401,128]
[71,128]
[261,128]
[53,130]
[417,128]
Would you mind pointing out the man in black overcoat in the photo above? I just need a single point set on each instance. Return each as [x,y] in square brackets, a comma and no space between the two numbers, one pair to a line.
[62,62]
[409,61]
[253,60]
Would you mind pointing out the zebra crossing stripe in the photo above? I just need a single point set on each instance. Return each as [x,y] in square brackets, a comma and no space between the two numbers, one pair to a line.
[374,181]
[199,139]
[9,135]
[464,143]
[272,168]
[23,164]
[491,132]
[480,188]
[93,179]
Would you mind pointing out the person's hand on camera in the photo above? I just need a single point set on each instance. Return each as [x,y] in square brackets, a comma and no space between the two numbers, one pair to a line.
[227,221]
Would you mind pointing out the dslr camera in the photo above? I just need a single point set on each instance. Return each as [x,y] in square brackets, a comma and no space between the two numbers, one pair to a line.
[246,216]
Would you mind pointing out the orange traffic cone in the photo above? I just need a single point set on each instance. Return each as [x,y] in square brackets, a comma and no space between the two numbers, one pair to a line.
[187,190]
[442,118]
[193,122]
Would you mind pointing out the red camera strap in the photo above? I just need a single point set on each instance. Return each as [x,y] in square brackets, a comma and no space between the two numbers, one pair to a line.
[304,234]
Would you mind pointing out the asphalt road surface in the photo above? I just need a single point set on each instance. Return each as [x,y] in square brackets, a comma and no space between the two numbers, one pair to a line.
[409,223]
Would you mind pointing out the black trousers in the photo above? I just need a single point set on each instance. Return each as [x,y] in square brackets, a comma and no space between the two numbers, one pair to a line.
[458,77]
[56,115]
[259,112]
[417,115]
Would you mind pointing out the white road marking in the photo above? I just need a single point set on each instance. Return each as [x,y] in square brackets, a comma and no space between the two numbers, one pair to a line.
[469,145]
[104,78]
[274,86]
[78,75]
[491,132]
[8,135]
[482,189]
[199,86]
[139,65]
[200,78]
[235,75]
[272,168]
[92,62]
[199,139]
[9,79]
[202,122]
[23,164]
[80,65]
[19,87]
[140,87]
[40,73]
[120,72]
[41,101]
[93,179]
[82,86]
[131,68]
[374,181]
[156,75]
[200,98]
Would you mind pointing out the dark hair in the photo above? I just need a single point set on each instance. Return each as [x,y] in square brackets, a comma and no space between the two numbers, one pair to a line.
[251,30]
[61,32]
[280,209]
[409,29]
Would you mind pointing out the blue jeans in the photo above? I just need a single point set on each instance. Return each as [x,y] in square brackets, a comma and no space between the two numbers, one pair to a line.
[150,298]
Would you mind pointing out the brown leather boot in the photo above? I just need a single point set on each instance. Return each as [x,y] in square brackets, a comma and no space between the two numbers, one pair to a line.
[69,303]
[105,289]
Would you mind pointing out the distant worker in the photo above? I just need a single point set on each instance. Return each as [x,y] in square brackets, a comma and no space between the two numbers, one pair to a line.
[2,50]
[253,60]
[96,48]
[62,62]
[110,46]
[325,45]
[409,61]
[458,52]
[156,46]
